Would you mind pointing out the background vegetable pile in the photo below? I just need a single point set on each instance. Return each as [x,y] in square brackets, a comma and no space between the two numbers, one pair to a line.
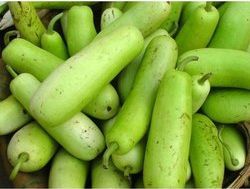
[124,94]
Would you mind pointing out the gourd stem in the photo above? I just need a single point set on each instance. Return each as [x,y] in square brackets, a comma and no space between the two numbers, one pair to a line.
[11,71]
[174,29]
[208,6]
[23,157]
[185,61]
[110,150]
[53,22]
[10,34]
[204,78]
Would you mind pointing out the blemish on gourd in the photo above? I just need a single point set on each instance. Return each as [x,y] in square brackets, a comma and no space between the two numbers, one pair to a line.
[109,108]
[25,112]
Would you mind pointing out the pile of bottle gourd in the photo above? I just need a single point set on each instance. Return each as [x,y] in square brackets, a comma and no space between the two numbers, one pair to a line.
[126,94]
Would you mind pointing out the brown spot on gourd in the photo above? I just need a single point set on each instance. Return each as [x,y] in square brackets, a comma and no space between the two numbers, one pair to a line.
[109,108]
[155,50]
[25,111]
[149,183]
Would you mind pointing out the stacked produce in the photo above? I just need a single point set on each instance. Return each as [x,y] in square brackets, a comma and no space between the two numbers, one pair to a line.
[124,94]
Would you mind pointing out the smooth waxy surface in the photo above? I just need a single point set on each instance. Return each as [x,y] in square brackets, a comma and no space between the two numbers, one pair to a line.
[153,14]
[80,28]
[234,147]
[198,29]
[232,70]
[24,57]
[79,135]
[167,151]
[67,171]
[228,105]
[128,74]
[206,154]
[233,28]
[130,125]
[84,75]
[131,162]
[33,140]
[107,178]
[13,115]
[200,91]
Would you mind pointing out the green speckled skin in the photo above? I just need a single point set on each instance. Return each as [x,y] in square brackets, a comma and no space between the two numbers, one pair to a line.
[189,8]
[233,31]
[109,16]
[128,74]
[24,57]
[153,14]
[53,43]
[228,105]
[198,29]
[60,4]
[80,28]
[206,154]
[229,68]
[79,135]
[107,178]
[133,119]
[167,149]
[33,140]
[105,105]
[27,21]
[133,159]
[12,115]
[67,171]
[84,76]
